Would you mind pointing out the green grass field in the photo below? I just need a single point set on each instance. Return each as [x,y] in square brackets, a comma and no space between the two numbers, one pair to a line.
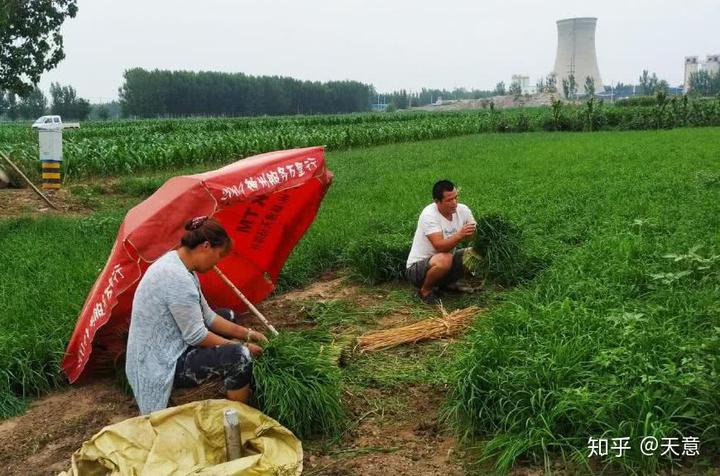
[619,335]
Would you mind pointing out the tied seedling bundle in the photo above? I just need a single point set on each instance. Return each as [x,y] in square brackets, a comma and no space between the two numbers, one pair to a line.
[298,383]
[448,325]
[497,253]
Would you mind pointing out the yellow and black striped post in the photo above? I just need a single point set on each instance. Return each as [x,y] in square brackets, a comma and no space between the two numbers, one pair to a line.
[50,175]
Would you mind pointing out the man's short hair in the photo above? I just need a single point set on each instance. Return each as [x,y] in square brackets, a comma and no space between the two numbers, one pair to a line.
[441,187]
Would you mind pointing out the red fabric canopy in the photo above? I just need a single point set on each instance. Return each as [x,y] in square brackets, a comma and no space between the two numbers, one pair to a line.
[265,202]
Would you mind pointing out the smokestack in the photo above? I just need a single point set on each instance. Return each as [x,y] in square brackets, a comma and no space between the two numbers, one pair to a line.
[576,53]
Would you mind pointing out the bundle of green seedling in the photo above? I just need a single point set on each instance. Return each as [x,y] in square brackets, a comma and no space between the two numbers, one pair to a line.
[497,254]
[298,383]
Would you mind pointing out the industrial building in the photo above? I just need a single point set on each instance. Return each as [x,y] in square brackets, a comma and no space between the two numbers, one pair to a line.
[576,53]
[712,64]
[693,65]
[524,82]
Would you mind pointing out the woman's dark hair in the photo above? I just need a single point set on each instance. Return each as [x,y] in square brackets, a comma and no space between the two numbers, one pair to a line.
[202,229]
[441,187]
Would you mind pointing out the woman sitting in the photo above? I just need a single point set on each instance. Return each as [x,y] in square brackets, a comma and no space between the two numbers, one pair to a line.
[175,338]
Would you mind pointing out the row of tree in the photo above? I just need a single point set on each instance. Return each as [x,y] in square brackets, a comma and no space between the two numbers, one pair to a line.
[570,87]
[403,99]
[648,85]
[705,83]
[64,102]
[184,93]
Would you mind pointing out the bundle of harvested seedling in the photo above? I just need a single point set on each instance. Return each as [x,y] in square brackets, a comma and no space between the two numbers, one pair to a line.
[448,325]
[497,252]
[298,383]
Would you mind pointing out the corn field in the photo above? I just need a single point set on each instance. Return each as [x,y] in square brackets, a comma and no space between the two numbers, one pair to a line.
[125,147]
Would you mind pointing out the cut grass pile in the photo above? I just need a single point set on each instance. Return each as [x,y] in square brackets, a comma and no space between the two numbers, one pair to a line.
[444,325]
[340,316]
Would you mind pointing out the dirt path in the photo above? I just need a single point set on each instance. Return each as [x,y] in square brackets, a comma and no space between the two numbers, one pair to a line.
[15,202]
[406,439]
[42,440]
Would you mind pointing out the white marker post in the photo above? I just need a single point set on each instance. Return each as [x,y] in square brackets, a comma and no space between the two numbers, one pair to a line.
[51,156]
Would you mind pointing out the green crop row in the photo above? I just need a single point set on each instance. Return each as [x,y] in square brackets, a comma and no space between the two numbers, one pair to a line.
[123,147]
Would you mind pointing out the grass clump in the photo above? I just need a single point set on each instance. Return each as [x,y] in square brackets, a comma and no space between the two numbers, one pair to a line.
[497,252]
[298,383]
[139,186]
[47,266]
[624,346]
[379,258]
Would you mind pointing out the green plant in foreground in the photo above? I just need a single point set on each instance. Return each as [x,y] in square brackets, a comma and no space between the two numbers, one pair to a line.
[497,252]
[378,258]
[298,383]
[337,314]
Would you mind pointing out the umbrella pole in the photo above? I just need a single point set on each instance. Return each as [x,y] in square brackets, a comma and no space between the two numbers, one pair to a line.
[245,300]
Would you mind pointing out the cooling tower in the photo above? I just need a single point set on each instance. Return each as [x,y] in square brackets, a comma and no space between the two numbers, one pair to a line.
[576,53]
[691,67]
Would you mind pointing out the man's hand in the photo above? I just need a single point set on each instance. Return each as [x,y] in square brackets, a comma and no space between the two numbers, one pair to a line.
[467,230]
[254,349]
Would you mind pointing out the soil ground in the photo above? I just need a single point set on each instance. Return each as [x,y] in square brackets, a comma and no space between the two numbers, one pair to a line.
[42,440]
[69,201]
[24,201]
[501,102]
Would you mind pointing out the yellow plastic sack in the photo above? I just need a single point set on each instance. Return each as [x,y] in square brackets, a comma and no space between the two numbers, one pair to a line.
[189,439]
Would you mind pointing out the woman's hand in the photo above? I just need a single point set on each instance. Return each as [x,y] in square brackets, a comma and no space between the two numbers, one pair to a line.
[254,349]
[256,336]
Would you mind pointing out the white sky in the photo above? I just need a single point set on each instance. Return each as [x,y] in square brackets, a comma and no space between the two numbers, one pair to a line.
[391,44]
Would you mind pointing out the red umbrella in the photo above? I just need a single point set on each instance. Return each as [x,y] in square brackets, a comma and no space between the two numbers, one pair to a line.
[265,202]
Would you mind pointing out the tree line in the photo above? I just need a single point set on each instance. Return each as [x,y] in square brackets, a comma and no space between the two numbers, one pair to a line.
[64,102]
[705,83]
[402,99]
[186,93]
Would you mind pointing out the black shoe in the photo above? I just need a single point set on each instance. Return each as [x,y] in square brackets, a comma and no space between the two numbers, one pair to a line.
[459,288]
[451,288]
[431,299]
